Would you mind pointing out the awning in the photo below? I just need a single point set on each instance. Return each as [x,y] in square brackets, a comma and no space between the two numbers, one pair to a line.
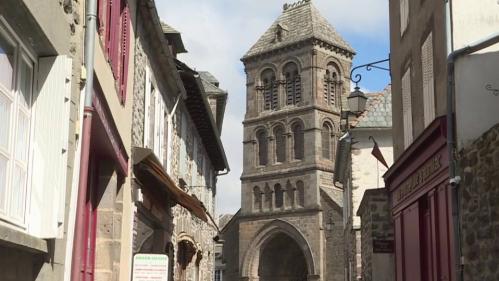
[149,171]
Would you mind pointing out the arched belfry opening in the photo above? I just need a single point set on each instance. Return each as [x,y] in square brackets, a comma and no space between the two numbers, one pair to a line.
[281,259]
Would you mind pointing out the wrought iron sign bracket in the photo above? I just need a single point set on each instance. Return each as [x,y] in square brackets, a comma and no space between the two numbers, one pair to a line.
[369,66]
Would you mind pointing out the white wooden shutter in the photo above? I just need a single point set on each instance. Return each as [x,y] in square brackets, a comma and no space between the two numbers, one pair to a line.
[147,104]
[404,15]
[428,87]
[406,107]
[50,146]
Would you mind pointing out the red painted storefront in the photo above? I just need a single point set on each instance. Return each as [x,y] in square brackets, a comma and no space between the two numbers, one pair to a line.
[420,196]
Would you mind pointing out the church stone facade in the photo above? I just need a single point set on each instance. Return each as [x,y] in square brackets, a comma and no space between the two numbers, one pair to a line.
[290,226]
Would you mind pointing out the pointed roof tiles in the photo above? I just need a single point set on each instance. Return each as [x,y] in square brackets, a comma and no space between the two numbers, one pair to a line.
[299,22]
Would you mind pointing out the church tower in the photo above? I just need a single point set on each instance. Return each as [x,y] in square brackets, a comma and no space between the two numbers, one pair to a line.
[290,223]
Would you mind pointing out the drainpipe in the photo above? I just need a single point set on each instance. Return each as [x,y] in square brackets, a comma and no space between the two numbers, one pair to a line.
[80,227]
[451,142]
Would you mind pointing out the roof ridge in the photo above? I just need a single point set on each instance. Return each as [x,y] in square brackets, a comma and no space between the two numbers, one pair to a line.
[287,7]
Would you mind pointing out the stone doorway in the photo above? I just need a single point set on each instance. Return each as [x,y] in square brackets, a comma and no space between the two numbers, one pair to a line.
[281,259]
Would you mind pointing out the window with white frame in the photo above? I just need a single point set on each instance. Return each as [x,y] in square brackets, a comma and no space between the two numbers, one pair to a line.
[428,80]
[404,15]
[155,119]
[34,124]
[406,107]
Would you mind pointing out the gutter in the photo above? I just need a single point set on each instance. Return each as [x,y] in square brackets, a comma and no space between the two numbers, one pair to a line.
[451,142]
[80,226]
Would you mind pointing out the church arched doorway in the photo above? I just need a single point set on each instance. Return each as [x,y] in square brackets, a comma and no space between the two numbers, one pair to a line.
[281,259]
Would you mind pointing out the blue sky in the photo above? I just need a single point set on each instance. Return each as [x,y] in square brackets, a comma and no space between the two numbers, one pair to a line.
[217,33]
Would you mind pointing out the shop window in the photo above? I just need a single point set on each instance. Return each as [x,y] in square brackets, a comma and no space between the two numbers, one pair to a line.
[292,83]
[280,144]
[114,25]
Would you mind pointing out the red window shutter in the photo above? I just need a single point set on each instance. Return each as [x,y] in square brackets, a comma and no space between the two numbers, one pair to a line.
[115,37]
[101,16]
[124,52]
[109,27]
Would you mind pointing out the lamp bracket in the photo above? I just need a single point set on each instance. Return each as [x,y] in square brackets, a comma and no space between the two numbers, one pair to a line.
[369,66]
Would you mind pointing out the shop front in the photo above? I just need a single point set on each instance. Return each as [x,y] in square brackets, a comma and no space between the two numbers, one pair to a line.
[420,195]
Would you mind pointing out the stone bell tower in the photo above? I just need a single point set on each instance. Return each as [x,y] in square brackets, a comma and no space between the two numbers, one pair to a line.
[290,223]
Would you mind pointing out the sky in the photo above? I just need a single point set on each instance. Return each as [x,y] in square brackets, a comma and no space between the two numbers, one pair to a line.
[217,33]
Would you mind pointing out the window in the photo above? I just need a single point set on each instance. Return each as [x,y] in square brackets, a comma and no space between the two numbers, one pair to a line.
[404,15]
[279,198]
[326,141]
[155,119]
[301,193]
[268,197]
[270,94]
[293,83]
[16,85]
[257,198]
[298,141]
[280,144]
[428,84]
[34,130]
[332,85]
[218,275]
[262,147]
[406,107]
[114,27]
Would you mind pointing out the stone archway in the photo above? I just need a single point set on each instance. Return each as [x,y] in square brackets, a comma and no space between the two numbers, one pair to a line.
[281,259]
[278,252]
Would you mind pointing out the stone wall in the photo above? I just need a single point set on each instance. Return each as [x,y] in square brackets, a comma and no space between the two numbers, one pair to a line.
[479,197]
[376,225]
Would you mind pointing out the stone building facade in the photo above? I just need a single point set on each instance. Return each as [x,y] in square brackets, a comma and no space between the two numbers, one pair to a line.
[479,210]
[377,239]
[177,119]
[40,60]
[289,226]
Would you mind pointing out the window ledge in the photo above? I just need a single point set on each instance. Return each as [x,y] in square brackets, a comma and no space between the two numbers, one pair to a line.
[17,239]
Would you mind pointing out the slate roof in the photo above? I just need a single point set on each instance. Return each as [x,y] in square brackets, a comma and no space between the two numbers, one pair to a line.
[298,22]
[174,37]
[378,113]
[205,75]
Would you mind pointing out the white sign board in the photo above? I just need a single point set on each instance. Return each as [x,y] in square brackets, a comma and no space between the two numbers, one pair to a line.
[150,267]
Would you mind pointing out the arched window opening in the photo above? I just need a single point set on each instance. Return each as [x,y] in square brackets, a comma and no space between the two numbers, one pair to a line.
[279,198]
[298,141]
[332,83]
[257,198]
[268,198]
[290,195]
[300,188]
[293,83]
[262,147]
[326,141]
[280,144]
[270,97]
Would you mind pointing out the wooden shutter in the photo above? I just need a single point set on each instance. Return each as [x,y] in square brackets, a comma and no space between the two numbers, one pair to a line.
[428,87]
[406,107]
[124,52]
[147,104]
[50,146]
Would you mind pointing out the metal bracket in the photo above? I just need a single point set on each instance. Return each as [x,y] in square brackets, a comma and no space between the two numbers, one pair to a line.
[369,67]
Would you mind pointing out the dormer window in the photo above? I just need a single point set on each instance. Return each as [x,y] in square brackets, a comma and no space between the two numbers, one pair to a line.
[280,32]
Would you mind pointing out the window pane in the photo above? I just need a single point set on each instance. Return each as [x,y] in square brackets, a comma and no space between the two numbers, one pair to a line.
[5,107]
[21,144]
[26,84]
[6,63]
[3,181]
[17,193]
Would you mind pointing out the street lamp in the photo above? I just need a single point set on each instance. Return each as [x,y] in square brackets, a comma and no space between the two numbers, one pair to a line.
[357,101]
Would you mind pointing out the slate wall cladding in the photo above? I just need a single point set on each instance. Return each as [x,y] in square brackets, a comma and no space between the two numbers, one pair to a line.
[479,194]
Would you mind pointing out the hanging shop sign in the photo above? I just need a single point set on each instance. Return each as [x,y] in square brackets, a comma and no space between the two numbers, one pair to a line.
[148,267]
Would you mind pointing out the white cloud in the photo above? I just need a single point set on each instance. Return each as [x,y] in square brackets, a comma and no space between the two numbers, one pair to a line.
[217,33]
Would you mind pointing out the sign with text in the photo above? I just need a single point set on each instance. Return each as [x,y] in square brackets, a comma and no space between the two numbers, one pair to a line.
[149,267]
[383,246]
